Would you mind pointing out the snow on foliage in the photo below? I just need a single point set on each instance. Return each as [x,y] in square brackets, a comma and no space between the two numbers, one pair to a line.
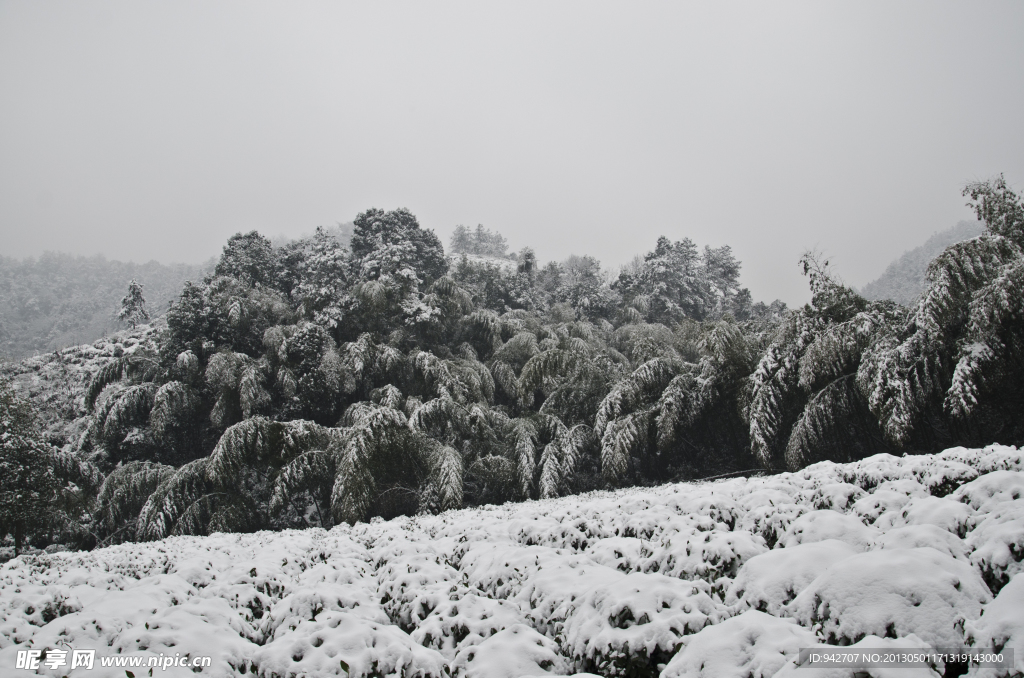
[752,644]
[725,578]
[892,593]
[772,579]
[1002,625]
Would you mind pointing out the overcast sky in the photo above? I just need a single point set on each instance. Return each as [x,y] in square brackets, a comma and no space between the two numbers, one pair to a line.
[144,130]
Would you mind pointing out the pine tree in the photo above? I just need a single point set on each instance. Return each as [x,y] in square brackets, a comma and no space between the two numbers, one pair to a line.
[133,306]
[480,241]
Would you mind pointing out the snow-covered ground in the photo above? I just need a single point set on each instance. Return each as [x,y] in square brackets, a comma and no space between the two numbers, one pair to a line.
[726,578]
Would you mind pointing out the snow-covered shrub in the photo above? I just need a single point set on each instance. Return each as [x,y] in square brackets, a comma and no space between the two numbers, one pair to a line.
[465,619]
[836,496]
[991,458]
[916,536]
[1002,626]
[622,553]
[869,473]
[872,506]
[413,580]
[943,476]
[628,627]
[893,593]
[952,516]
[162,614]
[991,489]
[768,582]
[997,543]
[751,645]
[633,582]
[511,653]
[340,643]
[708,555]
[822,525]
[770,512]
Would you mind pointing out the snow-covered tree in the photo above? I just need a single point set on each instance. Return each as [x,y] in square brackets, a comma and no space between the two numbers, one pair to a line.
[121,497]
[307,385]
[907,374]
[28,485]
[249,258]
[324,284]
[583,285]
[675,281]
[44,492]
[806,399]
[998,206]
[388,243]
[133,306]
[960,353]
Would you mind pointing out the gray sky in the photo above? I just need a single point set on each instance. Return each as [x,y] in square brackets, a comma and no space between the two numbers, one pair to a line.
[146,130]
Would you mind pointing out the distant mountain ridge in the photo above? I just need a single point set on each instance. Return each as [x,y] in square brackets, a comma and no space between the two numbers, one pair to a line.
[60,300]
[904,279]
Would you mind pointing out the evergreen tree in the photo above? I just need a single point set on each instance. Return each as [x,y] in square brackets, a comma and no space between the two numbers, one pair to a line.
[133,306]
[908,372]
[248,257]
[675,282]
[121,497]
[394,260]
[582,285]
[389,243]
[28,484]
[323,288]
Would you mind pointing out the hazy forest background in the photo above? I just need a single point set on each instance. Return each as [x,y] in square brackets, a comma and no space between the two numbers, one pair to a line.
[59,300]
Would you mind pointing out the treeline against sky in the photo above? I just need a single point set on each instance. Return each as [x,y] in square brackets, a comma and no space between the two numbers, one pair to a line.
[320,381]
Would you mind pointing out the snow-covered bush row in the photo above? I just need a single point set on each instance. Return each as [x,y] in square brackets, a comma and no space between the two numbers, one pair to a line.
[726,578]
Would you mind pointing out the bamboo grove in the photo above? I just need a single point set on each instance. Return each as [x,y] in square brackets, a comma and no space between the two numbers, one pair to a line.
[322,381]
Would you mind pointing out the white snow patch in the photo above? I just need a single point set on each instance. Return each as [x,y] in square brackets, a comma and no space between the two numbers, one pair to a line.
[752,645]
[730,575]
[893,593]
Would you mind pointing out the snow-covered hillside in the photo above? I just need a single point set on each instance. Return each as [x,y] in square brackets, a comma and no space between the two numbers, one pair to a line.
[56,382]
[726,578]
